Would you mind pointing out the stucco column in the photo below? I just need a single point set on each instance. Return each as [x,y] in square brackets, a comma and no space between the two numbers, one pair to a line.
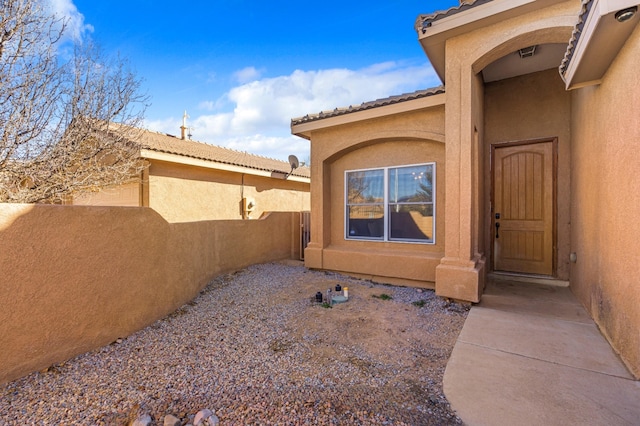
[320,212]
[460,274]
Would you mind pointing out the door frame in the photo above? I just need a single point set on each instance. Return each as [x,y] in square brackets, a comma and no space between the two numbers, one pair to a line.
[498,145]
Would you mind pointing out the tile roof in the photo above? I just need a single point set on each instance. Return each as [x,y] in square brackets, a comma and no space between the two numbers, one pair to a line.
[162,142]
[424,21]
[575,36]
[368,105]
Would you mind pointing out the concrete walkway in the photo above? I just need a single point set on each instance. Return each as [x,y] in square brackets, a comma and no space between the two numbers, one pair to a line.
[529,354]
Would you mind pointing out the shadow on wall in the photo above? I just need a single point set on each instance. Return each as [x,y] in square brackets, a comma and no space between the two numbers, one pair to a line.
[268,184]
[75,278]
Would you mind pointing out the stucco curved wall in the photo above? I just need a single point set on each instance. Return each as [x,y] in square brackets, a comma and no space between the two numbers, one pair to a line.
[386,153]
[411,137]
[424,124]
[74,278]
[547,30]
[387,261]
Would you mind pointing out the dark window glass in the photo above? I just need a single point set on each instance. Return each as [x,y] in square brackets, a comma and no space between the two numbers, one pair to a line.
[408,206]
[365,204]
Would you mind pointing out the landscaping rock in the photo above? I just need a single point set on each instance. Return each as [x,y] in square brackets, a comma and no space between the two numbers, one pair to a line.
[255,347]
[201,417]
[171,420]
[143,420]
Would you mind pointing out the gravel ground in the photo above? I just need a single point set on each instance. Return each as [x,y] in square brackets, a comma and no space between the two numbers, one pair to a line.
[256,349]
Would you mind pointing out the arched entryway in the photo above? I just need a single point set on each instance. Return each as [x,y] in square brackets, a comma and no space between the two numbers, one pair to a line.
[526,135]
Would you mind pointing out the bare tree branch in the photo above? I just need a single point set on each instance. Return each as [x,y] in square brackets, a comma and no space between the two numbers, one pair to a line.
[67,118]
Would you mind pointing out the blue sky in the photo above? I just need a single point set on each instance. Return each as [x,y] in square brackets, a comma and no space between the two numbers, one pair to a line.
[242,68]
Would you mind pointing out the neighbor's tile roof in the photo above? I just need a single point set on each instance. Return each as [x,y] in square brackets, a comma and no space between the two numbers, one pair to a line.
[575,36]
[368,105]
[424,21]
[162,142]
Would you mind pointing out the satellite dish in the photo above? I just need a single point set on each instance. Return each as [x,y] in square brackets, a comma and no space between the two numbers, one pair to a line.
[293,160]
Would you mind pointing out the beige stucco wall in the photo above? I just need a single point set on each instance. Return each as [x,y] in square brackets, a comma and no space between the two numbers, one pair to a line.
[605,187]
[182,193]
[395,140]
[75,278]
[530,107]
[127,195]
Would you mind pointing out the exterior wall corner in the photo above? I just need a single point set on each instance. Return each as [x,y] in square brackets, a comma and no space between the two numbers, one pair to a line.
[313,256]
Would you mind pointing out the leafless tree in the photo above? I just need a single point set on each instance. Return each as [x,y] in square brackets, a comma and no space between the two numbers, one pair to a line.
[67,112]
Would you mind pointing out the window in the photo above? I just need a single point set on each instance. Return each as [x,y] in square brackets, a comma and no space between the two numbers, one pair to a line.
[391,204]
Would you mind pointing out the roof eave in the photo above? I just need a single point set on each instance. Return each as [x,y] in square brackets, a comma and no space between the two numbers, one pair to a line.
[596,42]
[434,30]
[150,154]
[305,129]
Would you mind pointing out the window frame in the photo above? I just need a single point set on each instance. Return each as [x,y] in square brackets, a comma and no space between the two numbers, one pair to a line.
[386,205]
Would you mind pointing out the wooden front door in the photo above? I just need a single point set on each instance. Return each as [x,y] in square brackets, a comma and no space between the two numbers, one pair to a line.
[523,207]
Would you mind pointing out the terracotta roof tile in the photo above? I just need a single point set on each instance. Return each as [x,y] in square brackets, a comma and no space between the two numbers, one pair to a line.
[424,21]
[162,142]
[368,105]
[575,36]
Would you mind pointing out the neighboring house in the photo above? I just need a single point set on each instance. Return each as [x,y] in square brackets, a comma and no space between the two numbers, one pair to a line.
[191,181]
[522,169]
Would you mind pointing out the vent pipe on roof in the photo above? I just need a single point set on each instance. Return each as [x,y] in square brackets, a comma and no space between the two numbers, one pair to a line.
[184,128]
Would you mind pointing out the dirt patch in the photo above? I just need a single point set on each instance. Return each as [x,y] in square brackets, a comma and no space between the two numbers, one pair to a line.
[403,341]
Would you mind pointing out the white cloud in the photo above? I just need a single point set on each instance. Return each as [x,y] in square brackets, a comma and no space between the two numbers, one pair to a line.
[247,74]
[207,105]
[259,113]
[74,20]
[277,147]
[168,125]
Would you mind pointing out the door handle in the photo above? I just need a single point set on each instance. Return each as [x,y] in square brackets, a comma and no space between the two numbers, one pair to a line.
[497,229]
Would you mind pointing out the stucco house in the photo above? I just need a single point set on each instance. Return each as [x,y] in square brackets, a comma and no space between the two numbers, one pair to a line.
[189,181]
[524,162]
